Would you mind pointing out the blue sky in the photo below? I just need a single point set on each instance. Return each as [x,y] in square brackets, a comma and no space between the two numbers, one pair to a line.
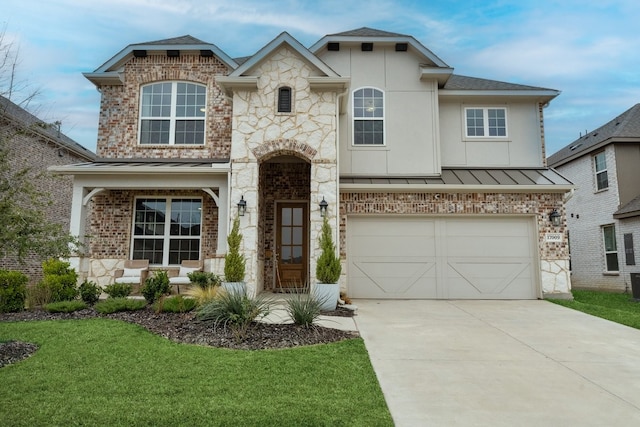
[587,50]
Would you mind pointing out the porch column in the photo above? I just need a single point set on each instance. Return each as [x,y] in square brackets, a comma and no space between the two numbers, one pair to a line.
[77,226]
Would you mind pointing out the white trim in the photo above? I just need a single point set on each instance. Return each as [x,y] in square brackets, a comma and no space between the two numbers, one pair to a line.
[485,118]
[382,119]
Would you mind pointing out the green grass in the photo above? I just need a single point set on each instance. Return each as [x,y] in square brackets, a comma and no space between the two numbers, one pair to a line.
[617,307]
[111,373]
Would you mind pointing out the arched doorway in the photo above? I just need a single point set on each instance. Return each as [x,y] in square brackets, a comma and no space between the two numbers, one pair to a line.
[284,193]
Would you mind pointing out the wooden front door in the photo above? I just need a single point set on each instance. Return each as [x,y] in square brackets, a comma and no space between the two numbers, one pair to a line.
[292,245]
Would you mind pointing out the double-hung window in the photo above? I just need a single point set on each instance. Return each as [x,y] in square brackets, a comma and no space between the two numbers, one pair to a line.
[368,117]
[172,113]
[610,247]
[600,167]
[167,230]
[486,122]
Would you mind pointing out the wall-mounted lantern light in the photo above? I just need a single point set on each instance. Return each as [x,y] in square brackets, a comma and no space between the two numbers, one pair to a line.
[554,217]
[242,206]
[323,207]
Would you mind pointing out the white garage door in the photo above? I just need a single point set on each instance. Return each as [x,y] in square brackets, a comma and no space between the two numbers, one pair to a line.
[458,258]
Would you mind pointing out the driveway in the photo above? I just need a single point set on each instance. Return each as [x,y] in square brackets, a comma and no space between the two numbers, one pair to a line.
[501,363]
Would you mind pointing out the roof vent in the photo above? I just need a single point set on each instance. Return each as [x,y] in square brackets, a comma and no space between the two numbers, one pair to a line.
[401,47]
[173,53]
[367,47]
[573,147]
[140,53]
[333,46]
[206,53]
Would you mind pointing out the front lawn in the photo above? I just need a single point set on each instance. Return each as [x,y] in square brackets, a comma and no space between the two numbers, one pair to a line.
[617,307]
[107,372]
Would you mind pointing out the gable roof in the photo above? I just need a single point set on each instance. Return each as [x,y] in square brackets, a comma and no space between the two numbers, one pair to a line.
[49,131]
[623,128]
[373,35]
[109,72]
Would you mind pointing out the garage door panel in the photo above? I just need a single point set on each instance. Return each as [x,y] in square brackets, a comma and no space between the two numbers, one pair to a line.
[405,277]
[438,257]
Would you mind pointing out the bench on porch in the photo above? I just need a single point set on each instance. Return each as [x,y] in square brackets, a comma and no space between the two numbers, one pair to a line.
[180,277]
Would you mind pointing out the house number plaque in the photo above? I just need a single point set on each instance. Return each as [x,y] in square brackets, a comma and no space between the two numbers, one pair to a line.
[553,237]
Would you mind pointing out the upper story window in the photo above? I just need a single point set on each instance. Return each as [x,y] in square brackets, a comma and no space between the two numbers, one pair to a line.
[368,117]
[610,247]
[486,122]
[172,113]
[284,99]
[600,167]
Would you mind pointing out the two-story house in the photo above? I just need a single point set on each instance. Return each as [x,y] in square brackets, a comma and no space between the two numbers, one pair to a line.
[435,184]
[33,144]
[603,216]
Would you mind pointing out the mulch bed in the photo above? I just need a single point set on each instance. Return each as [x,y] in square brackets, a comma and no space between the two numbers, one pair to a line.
[184,328]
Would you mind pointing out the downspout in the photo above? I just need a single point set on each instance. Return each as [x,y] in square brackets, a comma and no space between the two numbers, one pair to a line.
[340,95]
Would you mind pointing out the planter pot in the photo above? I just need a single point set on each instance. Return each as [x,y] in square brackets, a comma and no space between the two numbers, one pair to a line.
[328,294]
[234,287]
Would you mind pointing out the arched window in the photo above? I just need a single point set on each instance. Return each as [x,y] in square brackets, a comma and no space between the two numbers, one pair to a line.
[284,99]
[172,113]
[368,117]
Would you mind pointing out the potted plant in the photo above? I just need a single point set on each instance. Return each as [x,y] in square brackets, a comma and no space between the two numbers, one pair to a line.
[234,261]
[328,269]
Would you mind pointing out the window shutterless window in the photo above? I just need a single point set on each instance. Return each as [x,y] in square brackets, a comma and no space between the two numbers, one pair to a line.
[167,230]
[610,247]
[368,117]
[600,167]
[172,113]
[284,100]
[486,122]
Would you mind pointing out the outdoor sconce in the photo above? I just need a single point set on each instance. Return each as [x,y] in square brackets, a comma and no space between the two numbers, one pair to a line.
[242,206]
[554,217]
[323,207]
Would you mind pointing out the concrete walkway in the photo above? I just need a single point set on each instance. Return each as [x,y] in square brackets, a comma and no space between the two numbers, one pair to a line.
[501,363]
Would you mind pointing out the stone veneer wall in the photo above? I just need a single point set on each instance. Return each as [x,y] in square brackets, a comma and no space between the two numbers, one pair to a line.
[260,133]
[119,106]
[554,257]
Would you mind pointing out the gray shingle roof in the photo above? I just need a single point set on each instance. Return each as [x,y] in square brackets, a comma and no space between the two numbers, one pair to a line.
[631,209]
[181,40]
[367,32]
[31,122]
[457,82]
[624,127]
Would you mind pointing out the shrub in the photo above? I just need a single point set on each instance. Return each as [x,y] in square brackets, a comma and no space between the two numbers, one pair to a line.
[156,286]
[90,292]
[204,279]
[235,310]
[38,296]
[59,279]
[175,304]
[65,306]
[234,261]
[203,295]
[304,309]
[328,268]
[113,305]
[118,290]
[13,291]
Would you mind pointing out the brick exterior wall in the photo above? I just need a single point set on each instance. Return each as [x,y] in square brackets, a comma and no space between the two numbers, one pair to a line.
[587,211]
[111,222]
[119,107]
[450,204]
[33,151]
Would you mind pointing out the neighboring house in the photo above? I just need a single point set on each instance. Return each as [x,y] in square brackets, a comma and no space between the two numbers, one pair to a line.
[435,184]
[603,216]
[36,145]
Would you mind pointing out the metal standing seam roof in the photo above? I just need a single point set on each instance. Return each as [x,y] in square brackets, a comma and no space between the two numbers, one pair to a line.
[472,177]
[144,166]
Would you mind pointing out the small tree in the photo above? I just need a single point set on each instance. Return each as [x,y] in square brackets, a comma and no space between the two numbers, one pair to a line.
[234,261]
[328,268]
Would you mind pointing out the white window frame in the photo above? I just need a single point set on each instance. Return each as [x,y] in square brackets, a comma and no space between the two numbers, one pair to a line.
[610,251]
[356,118]
[173,117]
[597,172]
[166,237]
[485,123]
